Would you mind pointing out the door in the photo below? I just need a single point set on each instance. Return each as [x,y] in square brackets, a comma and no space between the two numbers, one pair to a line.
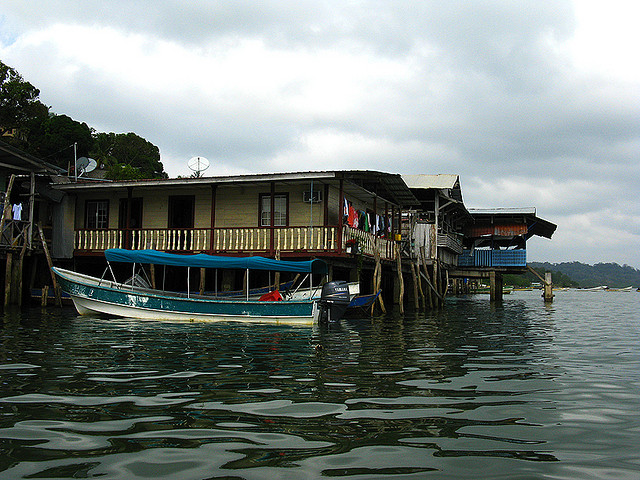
[181,219]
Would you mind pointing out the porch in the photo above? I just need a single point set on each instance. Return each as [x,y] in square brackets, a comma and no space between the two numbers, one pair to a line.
[322,240]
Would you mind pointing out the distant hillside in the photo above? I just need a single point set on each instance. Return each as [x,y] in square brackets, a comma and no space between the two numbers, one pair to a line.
[610,274]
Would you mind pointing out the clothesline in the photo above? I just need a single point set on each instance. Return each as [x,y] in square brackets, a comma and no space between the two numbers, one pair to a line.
[369,222]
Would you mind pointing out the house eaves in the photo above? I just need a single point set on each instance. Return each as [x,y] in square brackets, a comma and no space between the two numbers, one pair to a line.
[13,158]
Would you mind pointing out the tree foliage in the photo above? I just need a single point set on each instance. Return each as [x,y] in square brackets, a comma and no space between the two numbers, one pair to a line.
[18,100]
[610,274]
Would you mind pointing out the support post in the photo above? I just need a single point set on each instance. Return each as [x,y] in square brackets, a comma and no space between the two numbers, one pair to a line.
[56,287]
[45,296]
[415,284]
[20,274]
[548,288]
[400,279]
[7,279]
[203,274]
[377,281]
[152,274]
[276,280]
[496,286]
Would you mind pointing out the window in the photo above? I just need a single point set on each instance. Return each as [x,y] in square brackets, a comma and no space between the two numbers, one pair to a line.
[97,214]
[280,210]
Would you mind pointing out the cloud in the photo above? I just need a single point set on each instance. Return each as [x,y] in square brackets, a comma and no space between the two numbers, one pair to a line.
[531,103]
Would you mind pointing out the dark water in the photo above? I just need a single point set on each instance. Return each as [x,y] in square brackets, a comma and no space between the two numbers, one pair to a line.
[518,391]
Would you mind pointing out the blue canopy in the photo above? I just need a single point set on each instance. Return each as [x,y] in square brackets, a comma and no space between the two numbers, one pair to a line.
[202,260]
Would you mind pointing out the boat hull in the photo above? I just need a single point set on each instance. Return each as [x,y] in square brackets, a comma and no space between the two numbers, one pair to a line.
[92,296]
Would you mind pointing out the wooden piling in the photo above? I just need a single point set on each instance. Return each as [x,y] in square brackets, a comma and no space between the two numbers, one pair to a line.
[56,287]
[19,274]
[203,273]
[44,298]
[547,281]
[400,279]
[7,279]
[415,284]
[276,276]
[377,282]
[495,288]
[548,288]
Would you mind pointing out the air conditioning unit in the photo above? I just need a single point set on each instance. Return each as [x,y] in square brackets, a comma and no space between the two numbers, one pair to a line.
[307,196]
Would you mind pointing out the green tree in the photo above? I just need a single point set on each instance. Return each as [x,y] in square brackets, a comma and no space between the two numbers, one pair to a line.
[19,103]
[56,137]
[122,171]
[102,149]
[136,152]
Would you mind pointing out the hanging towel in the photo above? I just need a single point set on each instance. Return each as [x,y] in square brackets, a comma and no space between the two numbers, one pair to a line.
[352,221]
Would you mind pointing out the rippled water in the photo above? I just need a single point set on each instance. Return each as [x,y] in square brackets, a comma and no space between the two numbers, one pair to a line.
[521,390]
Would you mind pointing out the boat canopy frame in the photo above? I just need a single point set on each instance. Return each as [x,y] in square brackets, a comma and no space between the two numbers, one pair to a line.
[202,260]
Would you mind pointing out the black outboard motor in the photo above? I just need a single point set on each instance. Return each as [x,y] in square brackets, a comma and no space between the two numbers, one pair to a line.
[334,301]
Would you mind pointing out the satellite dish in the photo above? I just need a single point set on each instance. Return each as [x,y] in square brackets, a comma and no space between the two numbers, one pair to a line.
[85,165]
[198,164]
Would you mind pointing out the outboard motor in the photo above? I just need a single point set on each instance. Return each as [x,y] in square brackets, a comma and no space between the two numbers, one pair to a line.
[334,301]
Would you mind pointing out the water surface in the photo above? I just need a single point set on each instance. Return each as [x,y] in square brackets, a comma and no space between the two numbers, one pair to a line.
[520,390]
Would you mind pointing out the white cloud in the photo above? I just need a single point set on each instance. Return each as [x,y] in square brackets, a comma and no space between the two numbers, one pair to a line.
[531,103]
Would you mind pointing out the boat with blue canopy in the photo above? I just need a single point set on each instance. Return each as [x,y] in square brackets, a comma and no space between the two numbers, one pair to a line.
[134,298]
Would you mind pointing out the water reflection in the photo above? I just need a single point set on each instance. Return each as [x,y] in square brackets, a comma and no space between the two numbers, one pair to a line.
[470,388]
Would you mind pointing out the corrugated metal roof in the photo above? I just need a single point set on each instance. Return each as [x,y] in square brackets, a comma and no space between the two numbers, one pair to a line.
[387,186]
[15,159]
[503,211]
[536,225]
[431,181]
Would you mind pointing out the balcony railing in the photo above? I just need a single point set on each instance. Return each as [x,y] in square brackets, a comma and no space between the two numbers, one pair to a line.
[368,243]
[493,258]
[235,240]
[451,241]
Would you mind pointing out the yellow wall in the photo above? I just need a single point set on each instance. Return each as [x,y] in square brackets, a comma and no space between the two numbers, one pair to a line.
[236,206]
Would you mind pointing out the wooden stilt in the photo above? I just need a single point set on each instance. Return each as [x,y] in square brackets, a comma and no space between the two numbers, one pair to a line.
[56,287]
[400,280]
[548,288]
[7,279]
[436,281]
[19,273]
[276,280]
[44,299]
[547,293]
[377,282]
[495,289]
[430,291]
[415,284]
[152,274]
[203,272]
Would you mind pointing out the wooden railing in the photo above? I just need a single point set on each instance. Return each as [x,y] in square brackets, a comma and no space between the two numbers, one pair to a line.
[312,239]
[451,241]
[15,233]
[234,240]
[368,243]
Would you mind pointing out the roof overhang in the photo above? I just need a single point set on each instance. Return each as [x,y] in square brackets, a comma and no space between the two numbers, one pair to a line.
[535,225]
[13,158]
[388,187]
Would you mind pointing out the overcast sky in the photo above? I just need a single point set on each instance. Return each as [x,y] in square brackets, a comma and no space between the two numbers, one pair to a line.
[533,103]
